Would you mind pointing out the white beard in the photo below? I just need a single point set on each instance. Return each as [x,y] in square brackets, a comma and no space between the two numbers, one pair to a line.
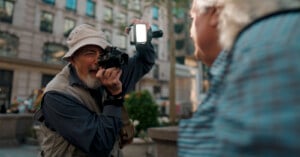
[92,83]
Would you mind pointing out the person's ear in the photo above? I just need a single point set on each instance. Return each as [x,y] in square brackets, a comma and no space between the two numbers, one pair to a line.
[71,60]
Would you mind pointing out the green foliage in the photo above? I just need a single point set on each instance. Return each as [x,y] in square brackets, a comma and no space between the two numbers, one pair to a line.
[142,107]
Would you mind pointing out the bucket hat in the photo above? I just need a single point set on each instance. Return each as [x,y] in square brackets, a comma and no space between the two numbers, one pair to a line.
[83,35]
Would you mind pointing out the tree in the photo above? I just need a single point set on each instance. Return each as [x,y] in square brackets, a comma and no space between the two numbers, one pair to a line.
[141,107]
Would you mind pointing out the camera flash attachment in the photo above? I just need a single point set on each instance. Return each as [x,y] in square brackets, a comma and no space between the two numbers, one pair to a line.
[138,34]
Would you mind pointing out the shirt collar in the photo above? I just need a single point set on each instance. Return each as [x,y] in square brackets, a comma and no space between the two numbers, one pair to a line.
[218,65]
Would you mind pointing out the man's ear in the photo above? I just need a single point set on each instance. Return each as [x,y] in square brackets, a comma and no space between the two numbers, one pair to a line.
[71,60]
[214,20]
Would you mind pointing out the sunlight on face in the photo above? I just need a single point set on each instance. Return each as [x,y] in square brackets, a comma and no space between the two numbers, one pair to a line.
[193,31]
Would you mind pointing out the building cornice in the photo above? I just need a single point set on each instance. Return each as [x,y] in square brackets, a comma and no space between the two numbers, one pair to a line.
[25,64]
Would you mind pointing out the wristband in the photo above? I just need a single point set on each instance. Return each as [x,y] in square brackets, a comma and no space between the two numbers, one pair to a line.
[115,102]
[113,97]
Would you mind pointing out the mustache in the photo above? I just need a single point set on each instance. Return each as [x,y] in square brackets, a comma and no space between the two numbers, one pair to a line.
[94,68]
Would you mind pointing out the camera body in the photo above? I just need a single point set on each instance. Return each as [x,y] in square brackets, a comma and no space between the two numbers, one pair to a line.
[112,57]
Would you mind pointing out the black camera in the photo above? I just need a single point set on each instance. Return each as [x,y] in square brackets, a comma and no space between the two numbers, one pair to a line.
[112,57]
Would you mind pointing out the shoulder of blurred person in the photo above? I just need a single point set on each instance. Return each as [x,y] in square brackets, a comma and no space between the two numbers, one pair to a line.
[261,79]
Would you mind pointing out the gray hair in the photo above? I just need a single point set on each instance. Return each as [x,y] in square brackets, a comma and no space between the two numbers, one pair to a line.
[201,5]
[236,14]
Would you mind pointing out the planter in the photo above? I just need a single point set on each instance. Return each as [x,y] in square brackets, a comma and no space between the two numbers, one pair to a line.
[14,128]
[165,139]
[38,133]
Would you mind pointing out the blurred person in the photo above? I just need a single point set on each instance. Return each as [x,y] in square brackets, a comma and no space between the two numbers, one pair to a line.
[81,106]
[258,111]
[14,107]
[196,135]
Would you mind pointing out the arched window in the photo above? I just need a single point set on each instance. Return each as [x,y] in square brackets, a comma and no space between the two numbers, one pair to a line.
[53,53]
[9,44]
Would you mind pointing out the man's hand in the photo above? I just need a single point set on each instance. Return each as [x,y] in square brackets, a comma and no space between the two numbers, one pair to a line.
[110,78]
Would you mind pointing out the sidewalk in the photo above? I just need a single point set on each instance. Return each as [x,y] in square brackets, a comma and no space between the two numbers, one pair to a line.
[20,151]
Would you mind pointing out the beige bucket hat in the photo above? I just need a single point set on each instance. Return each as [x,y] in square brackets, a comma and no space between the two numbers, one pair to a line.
[83,35]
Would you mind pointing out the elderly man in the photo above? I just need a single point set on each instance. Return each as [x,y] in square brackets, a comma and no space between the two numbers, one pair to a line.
[82,104]
[258,112]
[196,135]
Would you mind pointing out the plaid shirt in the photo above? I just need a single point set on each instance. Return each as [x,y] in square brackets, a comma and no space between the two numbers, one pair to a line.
[196,135]
[259,111]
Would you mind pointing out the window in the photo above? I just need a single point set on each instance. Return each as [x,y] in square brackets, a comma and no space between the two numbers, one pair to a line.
[53,53]
[52,2]
[123,3]
[156,89]
[179,28]
[180,59]
[6,10]
[8,44]
[156,71]
[46,79]
[71,5]
[108,35]
[154,27]
[121,18]
[155,46]
[69,25]
[121,39]
[108,15]
[5,87]
[155,12]
[180,44]
[90,8]
[46,22]
[178,12]
[135,5]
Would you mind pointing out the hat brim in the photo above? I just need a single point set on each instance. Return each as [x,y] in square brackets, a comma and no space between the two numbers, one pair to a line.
[87,41]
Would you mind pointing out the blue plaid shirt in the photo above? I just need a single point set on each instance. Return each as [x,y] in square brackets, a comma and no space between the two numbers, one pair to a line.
[196,135]
[259,109]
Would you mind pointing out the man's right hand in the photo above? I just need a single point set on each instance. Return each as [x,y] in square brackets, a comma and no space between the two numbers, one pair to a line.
[110,78]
